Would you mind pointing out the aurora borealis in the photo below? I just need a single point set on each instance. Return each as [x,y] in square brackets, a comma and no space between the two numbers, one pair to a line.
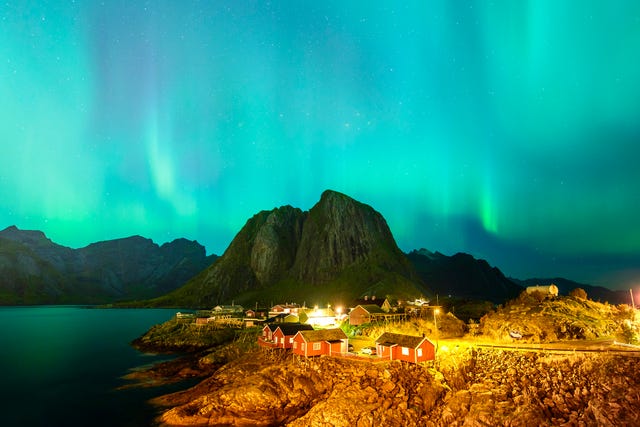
[508,130]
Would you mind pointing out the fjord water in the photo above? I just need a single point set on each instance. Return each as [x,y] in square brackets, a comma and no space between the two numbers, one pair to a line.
[62,365]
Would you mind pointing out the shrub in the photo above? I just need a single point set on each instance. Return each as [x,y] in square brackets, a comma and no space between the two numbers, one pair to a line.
[578,293]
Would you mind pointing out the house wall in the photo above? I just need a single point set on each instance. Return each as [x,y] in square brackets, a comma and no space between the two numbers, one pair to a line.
[303,348]
[428,352]
[278,337]
[395,353]
[282,340]
[324,348]
[409,357]
[336,347]
[358,316]
[384,351]
[298,347]
[266,333]
[545,289]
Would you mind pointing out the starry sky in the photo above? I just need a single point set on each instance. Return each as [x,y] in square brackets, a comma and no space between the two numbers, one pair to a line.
[505,129]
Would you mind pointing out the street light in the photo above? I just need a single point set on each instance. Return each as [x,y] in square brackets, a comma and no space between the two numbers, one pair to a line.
[436,311]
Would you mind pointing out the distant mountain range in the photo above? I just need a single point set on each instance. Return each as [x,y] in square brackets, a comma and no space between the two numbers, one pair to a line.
[463,276]
[336,252]
[35,270]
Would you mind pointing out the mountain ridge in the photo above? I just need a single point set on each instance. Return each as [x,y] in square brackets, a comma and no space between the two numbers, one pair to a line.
[340,249]
[35,270]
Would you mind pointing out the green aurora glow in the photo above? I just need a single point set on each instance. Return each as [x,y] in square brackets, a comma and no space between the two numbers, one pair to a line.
[509,130]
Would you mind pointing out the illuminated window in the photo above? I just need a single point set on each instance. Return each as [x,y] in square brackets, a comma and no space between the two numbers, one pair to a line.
[290,340]
[405,351]
[317,345]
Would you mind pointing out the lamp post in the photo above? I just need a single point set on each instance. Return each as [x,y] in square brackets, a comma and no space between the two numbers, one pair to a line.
[436,311]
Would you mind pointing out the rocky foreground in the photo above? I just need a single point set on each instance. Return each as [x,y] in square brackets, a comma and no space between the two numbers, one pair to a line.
[465,387]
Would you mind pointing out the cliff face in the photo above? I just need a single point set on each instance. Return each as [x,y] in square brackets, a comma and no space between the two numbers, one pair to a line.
[35,270]
[340,247]
[276,243]
[341,232]
[261,252]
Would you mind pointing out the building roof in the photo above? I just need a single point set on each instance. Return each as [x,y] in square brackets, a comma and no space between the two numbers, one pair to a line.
[278,316]
[293,328]
[336,334]
[286,305]
[371,308]
[388,339]
[370,301]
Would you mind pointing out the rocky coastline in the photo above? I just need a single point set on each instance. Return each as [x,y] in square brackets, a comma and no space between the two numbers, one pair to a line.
[464,387]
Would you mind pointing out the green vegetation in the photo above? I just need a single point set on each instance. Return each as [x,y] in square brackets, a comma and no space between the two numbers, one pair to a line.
[541,319]
[178,335]
[466,309]
[448,326]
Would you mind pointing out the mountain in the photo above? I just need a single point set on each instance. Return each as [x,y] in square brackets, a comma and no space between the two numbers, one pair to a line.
[339,250]
[463,276]
[35,270]
[595,293]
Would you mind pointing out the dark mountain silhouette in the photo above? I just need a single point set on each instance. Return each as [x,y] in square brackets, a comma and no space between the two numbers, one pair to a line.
[35,270]
[463,276]
[337,251]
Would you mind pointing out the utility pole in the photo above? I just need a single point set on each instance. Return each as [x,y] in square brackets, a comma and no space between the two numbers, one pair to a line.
[633,304]
[436,311]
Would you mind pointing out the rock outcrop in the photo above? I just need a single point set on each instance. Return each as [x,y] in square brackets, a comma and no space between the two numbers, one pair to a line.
[540,319]
[266,390]
[466,388]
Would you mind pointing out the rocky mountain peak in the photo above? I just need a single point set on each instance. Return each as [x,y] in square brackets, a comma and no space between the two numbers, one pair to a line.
[30,237]
[340,232]
[286,252]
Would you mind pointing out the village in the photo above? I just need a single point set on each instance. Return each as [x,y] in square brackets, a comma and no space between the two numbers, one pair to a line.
[406,363]
[314,331]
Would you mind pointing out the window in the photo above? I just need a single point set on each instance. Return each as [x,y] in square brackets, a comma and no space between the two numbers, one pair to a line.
[317,346]
[295,345]
[290,340]
[405,351]
[419,352]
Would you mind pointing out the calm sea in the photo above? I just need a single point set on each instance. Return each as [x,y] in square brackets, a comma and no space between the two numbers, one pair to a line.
[61,365]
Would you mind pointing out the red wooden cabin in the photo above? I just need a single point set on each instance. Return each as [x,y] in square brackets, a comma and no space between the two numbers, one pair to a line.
[320,342]
[405,347]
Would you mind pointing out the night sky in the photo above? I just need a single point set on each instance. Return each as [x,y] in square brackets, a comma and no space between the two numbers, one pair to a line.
[507,129]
